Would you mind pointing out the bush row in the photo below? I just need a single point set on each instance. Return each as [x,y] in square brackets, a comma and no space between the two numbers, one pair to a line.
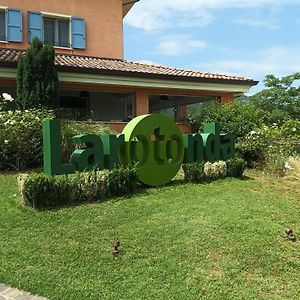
[203,172]
[40,191]
[265,139]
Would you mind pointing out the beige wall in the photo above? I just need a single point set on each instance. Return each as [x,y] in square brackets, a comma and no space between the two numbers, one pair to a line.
[104,23]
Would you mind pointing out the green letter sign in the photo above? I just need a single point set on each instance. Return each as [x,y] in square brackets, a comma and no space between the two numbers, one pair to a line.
[153,143]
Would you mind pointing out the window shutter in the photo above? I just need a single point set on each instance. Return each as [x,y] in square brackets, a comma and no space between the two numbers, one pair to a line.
[78,33]
[14,25]
[35,26]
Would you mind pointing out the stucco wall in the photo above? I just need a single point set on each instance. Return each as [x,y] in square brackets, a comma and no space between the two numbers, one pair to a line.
[104,23]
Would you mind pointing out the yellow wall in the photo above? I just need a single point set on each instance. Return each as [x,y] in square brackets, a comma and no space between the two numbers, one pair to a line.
[104,23]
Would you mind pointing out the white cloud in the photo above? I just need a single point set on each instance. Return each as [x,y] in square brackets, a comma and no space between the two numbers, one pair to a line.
[158,14]
[277,60]
[180,44]
[265,18]
[269,24]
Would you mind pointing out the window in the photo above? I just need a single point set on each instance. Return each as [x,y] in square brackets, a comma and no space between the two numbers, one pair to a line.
[57,32]
[2,26]
[11,25]
[62,31]
[96,106]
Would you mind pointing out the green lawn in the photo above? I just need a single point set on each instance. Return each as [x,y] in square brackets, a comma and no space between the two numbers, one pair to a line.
[222,240]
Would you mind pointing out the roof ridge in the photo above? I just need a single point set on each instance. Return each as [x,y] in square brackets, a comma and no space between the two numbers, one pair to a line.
[184,70]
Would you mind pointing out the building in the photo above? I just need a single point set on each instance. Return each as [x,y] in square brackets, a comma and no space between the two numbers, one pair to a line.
[96,82]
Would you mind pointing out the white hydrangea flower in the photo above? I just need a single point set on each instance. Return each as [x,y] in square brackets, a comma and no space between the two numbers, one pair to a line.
[7,97]
[6,142]
[288,166]
[215,170]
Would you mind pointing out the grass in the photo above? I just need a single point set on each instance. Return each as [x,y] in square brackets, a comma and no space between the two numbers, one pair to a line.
[222,240]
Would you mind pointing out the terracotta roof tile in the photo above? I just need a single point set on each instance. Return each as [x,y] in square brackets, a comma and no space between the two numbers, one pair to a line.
[9,57]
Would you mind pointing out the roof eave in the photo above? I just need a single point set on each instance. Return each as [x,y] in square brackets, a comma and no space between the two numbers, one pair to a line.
[131,74]
[127,5]
[249,83]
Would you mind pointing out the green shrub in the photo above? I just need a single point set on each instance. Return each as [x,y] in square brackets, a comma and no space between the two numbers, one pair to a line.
[236,167]
[21,138]
[41,191]
[194,172]
[259,146]
[88,187]
[236,118]
[72,128]
[120,181]
[275,116]
[291,129]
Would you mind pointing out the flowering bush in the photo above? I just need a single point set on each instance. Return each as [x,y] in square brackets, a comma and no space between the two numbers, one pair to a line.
[6,101]
[215,170]
[21,135]
[291,129]
[21,138]
[270,146]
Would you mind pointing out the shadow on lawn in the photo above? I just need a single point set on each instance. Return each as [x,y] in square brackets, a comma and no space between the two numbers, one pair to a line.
[141,190]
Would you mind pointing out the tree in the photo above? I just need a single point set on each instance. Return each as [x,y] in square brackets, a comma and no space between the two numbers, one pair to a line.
[37,80]
[280,97]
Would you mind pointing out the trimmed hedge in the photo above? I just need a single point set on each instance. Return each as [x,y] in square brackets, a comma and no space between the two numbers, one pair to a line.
[194,172]
[236,167]
[41,191]
[203,172]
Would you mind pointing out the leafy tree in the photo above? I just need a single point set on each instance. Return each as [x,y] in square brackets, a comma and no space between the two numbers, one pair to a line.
[37,80]
[281,97]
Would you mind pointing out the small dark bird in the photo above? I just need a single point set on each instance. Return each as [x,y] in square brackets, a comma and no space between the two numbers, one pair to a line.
[290,235]
[116,250]
[288,231]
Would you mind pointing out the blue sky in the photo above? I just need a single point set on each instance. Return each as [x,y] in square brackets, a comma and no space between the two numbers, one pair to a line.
[252,38]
